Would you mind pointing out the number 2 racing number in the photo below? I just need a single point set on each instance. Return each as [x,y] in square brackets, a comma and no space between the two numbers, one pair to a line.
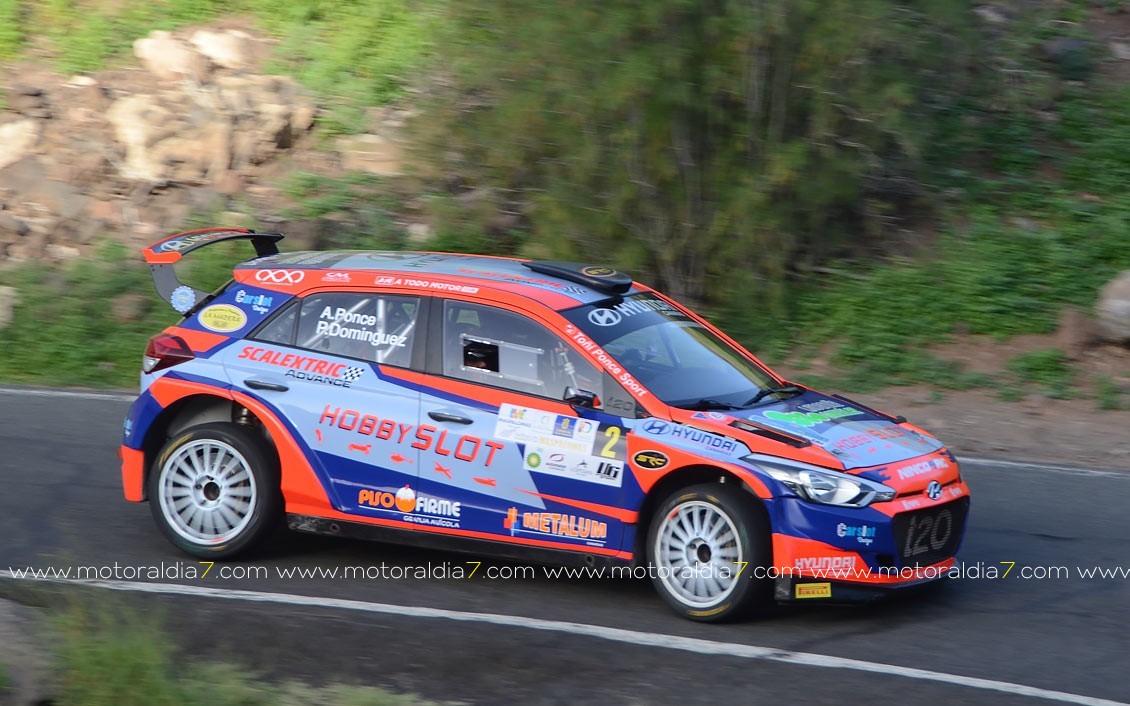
[610,443]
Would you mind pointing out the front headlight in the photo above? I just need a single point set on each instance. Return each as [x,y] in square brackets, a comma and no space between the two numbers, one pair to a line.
[822,485]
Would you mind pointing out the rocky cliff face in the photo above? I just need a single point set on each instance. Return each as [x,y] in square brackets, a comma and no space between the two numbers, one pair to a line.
[130,154]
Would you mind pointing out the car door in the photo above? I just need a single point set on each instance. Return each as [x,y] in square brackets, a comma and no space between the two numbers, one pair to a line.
[318,364]
[499,444]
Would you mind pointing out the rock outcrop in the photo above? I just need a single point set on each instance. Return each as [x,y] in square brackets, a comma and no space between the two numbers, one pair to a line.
[1113,309]
[131,154]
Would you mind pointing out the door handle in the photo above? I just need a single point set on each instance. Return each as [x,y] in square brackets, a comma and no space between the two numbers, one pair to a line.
[264,385]
[449,417]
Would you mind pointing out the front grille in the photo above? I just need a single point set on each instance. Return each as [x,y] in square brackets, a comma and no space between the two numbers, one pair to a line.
[925,537]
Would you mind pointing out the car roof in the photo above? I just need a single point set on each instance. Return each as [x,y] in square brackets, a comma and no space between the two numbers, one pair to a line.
[417,270]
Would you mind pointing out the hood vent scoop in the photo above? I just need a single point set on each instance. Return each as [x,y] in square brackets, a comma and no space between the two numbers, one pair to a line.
[770,433]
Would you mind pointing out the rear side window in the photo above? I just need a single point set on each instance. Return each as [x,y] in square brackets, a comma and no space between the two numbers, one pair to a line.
[377,328]
[281,328]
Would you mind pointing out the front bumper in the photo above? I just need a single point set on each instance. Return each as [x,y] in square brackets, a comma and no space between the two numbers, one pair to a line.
[849,555]
[788,589]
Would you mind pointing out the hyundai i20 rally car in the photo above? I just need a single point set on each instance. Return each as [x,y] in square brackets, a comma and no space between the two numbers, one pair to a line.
[546,410]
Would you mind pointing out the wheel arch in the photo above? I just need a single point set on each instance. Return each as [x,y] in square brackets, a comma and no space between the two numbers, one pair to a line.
[682,478]
[190,411]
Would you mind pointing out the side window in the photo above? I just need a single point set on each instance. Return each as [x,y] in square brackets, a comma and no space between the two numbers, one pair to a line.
[378,328]
[495,347]
[281,328]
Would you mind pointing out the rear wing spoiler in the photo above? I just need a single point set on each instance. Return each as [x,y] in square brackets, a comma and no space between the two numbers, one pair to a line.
[162,255]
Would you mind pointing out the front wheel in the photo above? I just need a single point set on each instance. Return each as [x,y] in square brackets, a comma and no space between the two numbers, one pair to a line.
[704,546]
[214,490]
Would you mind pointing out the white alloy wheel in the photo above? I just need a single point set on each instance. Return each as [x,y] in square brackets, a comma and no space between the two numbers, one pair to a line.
[698,553]
[214,490]
[207,492]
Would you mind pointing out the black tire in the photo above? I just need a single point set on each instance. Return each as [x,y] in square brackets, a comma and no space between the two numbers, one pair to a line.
[741,540]
[225,473]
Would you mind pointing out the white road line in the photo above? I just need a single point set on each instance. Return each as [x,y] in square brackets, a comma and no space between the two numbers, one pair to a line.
[632,637]
[71,394]
[1043,467]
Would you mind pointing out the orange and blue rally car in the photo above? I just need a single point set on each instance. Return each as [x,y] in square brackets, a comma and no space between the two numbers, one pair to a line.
[552,411]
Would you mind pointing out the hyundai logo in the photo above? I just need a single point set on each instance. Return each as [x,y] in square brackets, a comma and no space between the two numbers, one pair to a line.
[934,490]
[656,426]
[605,317]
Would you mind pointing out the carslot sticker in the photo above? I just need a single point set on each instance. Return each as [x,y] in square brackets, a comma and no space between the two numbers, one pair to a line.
[259,303]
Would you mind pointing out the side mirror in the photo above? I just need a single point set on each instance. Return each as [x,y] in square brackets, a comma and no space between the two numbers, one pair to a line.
[581,398]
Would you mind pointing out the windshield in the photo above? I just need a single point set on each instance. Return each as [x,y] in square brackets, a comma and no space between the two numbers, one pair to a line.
[681,362]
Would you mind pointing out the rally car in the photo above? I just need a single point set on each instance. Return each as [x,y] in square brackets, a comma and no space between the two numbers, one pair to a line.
[548,410]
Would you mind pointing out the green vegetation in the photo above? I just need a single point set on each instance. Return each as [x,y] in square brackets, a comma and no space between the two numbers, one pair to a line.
[355,53]
[85,35]
[3,679]
[11,28]
[360,203]
[96,334]
[1023,248]
[114,657]
[1046,369]
[861,177]
[1108,393]
[713,147]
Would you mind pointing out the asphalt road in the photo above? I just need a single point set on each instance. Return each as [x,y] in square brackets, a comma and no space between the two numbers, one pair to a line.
[61,505]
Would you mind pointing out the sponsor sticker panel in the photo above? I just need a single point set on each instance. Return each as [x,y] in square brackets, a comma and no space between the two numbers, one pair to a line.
[545,429]
[222,318]
[565,446]
[577,466]
[305,367]
[412,506]
[555,525]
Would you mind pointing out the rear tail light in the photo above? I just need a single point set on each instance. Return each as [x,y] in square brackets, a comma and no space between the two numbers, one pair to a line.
[165,351]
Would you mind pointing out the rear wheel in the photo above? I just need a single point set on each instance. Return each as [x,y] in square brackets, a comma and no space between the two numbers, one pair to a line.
[704,545]
[214,490]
